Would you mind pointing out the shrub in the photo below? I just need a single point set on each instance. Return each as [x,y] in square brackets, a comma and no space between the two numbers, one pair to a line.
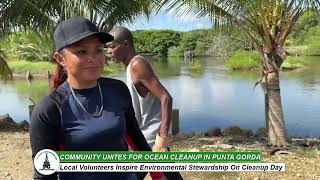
[243,60]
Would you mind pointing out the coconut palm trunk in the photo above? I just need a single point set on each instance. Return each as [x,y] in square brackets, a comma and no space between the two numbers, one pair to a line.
[275,119]
[275,123]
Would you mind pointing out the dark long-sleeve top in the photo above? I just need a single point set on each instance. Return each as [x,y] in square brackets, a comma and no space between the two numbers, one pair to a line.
[58,121]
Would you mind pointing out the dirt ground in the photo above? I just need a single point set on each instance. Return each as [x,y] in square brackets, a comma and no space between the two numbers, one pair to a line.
[16,163]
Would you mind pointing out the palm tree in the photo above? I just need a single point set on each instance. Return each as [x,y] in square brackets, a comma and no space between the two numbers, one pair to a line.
[43,15]
[267,23]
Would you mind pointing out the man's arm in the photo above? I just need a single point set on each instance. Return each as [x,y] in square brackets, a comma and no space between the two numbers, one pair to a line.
[146,81]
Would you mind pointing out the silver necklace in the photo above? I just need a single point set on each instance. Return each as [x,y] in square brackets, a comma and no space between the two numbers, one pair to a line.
[84,109]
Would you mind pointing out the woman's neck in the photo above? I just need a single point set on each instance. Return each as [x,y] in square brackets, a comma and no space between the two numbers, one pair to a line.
[81,85]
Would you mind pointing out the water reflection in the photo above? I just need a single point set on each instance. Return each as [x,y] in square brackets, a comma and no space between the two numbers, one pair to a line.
[15,97]
[208,95]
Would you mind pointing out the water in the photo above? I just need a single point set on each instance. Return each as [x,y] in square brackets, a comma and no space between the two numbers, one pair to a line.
[209,96]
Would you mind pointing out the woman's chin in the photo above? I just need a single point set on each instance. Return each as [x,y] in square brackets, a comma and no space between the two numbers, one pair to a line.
[92,76]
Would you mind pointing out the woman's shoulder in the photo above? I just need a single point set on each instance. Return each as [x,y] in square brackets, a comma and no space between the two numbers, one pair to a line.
[46,104]
[46,110]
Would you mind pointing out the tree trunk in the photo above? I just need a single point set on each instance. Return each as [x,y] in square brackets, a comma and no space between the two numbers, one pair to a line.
[274,114]
[5,71]
[273,109]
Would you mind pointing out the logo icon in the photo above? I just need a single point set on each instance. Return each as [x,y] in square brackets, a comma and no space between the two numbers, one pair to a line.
[46,162]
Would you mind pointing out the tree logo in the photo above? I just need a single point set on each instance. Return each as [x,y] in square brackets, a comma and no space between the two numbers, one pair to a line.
[46,162]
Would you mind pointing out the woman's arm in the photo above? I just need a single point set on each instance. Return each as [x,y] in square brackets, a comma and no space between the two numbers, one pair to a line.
[44,131]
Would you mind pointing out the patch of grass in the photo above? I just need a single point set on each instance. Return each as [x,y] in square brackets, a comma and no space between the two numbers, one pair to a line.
[293,63]
[33,67]
[243,60]
[296,50]
[41,67]
[313,49]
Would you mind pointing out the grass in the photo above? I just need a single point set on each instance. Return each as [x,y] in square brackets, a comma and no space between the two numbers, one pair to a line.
[293,63]
[243,60]
[313,49]
[296,50]
[41,67]
[34,67]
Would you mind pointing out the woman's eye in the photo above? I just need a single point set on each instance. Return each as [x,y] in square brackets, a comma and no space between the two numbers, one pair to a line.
[81,51]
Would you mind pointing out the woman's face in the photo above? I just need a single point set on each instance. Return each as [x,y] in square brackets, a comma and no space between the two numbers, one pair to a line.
[84,60]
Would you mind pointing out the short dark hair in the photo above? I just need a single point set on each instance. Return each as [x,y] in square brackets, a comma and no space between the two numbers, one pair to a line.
[121,34]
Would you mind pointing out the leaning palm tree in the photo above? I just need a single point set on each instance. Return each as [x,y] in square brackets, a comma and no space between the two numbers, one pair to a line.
[267,23]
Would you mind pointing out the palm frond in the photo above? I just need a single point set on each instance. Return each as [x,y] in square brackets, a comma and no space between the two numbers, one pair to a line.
[45,14]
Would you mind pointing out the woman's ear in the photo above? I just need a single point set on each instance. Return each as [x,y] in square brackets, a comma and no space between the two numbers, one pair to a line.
[59,58]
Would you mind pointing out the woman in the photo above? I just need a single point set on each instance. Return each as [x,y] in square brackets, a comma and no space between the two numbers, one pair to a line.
[84,112]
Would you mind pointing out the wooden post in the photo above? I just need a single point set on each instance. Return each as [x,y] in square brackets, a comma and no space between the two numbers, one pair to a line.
[28,77]
[175,122]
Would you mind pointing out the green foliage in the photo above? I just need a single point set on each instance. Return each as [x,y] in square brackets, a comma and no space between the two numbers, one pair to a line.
[313,49]
[175,51]
[188,41]
[197,40]
[308,20]
[172,43]
[155,42]
[313,41]
[243,60]
[41,15]
[296,50]
[30,46]
[42,67]
[33,67]
[293,63]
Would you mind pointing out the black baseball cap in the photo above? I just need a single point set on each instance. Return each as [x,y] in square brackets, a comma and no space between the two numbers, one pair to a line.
[75,29]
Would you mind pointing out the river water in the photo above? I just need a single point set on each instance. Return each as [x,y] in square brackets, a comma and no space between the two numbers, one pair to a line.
[207,95]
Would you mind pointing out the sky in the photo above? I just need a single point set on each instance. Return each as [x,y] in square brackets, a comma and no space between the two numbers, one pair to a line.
[170,21]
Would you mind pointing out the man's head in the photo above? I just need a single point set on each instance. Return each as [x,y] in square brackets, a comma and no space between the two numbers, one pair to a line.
[121,48]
